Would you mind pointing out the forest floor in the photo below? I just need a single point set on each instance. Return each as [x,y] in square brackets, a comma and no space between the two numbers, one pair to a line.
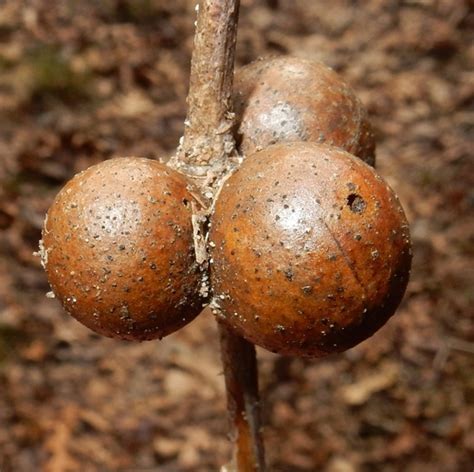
[84,81]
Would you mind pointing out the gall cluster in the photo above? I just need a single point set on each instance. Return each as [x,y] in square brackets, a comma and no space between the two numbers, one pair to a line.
[309,248]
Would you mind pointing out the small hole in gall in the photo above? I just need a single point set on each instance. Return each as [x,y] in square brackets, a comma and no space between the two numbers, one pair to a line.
[356,203]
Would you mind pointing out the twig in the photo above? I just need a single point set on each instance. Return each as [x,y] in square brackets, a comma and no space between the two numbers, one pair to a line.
[207,154]
[241,379]
[207,151]
[444,350]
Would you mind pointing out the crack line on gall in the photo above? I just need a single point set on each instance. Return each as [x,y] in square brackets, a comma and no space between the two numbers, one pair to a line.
[346,257]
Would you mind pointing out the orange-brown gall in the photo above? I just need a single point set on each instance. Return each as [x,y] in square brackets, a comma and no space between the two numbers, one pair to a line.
[311,250]
[118,249]
[289,99]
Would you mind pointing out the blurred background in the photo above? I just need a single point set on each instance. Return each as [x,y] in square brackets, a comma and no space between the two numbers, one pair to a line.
[83,81]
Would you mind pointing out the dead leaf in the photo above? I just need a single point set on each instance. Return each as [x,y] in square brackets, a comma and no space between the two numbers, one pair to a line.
[360,392]
[57,443]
